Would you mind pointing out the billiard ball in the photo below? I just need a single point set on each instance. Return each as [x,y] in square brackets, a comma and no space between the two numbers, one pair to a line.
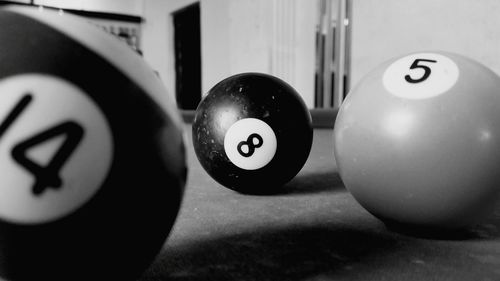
[417,141]
[91,152]
[252,133]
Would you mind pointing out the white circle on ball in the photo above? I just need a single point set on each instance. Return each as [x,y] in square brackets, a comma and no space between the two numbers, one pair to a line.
[56,148]
[250,143]
[421,76]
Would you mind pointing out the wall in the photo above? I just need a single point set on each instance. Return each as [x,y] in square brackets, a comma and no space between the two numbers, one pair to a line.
[385,29]
[128,7]
[237,36]
[158,36]
[234,39]
[216,50]
[270,36]
[277,36]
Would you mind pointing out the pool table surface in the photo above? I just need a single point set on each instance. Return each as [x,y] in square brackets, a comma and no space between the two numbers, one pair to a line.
[312,230]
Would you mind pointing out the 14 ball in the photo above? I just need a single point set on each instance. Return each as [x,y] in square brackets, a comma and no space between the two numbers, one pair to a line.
[91,152]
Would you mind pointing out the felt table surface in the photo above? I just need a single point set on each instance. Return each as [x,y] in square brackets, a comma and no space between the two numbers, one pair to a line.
[312,230]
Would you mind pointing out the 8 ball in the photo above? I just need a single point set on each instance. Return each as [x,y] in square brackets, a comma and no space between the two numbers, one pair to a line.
[252,133]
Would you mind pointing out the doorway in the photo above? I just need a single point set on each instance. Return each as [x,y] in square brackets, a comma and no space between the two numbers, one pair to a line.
[187,48]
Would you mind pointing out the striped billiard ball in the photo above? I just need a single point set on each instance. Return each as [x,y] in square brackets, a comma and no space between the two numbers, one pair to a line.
[91,152]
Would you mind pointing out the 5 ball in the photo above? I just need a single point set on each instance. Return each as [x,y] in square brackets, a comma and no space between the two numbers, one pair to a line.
[417,141]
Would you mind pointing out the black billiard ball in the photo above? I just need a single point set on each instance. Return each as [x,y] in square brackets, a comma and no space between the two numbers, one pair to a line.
[252,133]
[91,152]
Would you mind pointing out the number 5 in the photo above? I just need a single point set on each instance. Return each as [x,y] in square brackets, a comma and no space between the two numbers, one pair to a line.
[427,71]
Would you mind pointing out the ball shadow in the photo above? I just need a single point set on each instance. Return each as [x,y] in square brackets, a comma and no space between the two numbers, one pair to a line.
[272,254]
[314,182]
[304,183]
[487,230]
[432,233]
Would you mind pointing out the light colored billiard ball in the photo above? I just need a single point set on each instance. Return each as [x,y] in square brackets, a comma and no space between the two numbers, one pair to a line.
[417,141]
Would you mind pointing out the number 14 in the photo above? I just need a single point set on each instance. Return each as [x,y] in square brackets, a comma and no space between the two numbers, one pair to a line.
[45,176]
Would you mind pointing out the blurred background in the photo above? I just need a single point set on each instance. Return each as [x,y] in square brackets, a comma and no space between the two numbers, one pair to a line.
[320,47]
